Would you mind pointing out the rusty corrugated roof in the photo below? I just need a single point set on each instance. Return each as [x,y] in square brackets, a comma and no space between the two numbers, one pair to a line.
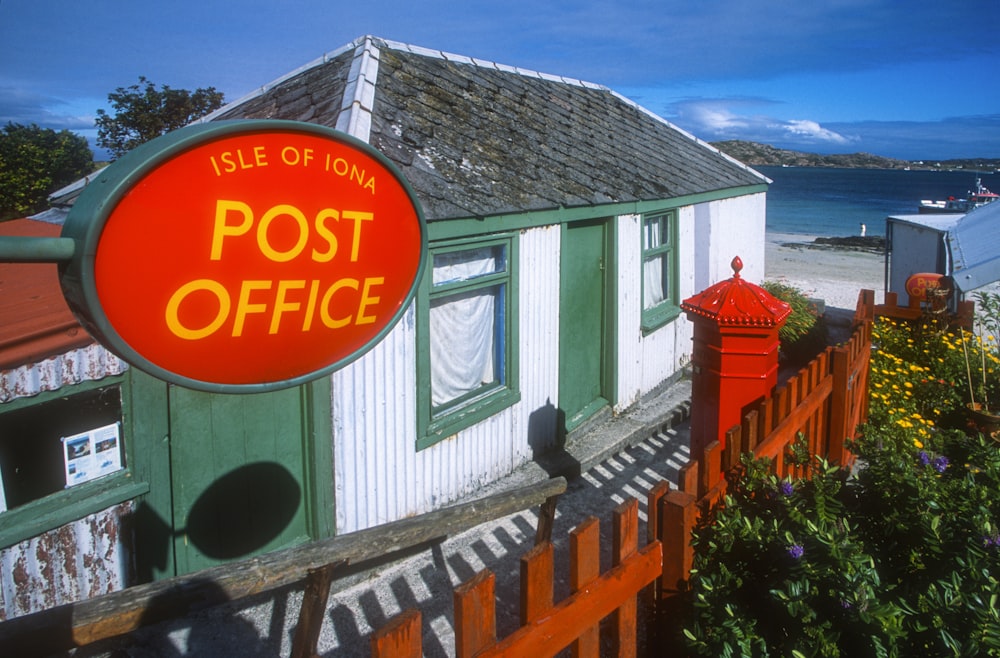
[35,321]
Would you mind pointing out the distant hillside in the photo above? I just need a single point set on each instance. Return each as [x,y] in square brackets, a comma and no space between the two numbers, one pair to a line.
[753,153]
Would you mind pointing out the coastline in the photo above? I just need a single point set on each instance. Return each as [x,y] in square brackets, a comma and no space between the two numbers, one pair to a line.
[832,273]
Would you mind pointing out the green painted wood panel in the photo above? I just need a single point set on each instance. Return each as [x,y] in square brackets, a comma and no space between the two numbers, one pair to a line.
[582,309]
[240,471]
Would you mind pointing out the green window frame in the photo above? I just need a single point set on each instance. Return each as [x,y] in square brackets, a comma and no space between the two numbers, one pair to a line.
[61,507]
[660,303]
[467,319]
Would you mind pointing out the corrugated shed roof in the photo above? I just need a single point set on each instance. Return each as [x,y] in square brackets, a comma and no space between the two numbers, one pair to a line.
[973,243]
[975,247]
[476,138]
[35,321]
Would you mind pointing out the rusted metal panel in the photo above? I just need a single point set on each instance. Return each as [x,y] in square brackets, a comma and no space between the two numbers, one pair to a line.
[36,320]
[89,363]
[77,561]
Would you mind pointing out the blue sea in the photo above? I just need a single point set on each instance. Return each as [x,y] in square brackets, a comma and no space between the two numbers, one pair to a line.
[835,202]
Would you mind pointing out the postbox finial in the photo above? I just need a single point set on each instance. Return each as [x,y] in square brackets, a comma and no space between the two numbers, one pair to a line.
[737,265]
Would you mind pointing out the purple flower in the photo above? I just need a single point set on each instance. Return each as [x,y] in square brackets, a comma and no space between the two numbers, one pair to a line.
[786,488]
[991,541]
[924,458]
[795,551]
[940,464]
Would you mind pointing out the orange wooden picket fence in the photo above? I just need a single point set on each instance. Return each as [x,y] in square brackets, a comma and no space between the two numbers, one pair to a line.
[548,627]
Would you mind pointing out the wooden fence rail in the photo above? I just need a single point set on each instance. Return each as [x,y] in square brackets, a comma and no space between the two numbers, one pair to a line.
[547,627]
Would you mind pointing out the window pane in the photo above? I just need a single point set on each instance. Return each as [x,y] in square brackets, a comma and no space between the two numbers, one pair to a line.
[468,264]
[465,343]
[655,281]
[652,235]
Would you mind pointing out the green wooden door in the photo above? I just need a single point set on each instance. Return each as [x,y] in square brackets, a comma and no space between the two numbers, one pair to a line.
[243,477]
[583,320]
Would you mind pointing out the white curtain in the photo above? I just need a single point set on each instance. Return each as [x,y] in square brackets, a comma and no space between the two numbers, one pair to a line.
[462,327]
[653,284]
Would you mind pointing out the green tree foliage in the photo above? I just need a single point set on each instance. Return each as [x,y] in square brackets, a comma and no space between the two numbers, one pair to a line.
[142,113]
[34,162]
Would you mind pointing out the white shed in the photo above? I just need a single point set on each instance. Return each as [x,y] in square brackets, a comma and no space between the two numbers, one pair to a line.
[965,247]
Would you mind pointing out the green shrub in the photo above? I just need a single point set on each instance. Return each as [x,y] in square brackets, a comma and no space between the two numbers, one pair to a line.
[804,334]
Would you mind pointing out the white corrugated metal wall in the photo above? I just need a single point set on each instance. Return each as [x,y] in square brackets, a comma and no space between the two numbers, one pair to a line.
[379,476]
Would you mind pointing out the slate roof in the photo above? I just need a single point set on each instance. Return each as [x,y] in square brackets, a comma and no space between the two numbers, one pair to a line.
[476,139]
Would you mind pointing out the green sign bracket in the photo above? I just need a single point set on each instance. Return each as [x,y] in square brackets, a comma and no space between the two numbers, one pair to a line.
[36,250]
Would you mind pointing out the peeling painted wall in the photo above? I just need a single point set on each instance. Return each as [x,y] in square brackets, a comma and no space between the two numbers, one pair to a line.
[85,364]
[77,561]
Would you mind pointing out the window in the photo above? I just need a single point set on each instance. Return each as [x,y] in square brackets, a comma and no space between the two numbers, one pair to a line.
[48,447]
[63,455]
[659,269]
[467,367]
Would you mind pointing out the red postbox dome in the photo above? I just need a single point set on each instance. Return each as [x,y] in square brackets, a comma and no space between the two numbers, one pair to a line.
[737,302]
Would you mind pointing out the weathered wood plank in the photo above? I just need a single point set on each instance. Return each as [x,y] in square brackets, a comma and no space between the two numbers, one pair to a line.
[313,610]
[546,519]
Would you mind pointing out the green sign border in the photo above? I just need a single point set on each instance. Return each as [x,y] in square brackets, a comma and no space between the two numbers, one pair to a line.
[101,196]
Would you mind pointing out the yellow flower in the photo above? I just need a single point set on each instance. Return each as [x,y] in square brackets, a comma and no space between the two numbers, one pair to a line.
[917,444]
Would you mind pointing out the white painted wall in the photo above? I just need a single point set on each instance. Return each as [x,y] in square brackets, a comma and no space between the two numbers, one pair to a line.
[379,476]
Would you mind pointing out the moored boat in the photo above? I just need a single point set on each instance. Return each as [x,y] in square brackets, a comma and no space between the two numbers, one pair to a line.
[973,199]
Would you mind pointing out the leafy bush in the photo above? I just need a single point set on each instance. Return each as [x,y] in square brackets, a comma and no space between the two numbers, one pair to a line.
[803,335]
[899,557]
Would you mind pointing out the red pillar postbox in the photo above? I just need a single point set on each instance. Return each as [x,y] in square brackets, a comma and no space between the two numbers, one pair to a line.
[735,354]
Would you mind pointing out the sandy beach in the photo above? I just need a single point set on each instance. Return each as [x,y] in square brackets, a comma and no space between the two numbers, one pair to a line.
[833,274]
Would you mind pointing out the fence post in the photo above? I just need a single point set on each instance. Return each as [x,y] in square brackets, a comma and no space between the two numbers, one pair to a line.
[688,477]
[314,601]
[710,468]
[585,568]
[475,615]
[400,638]
[678,515]
[536,583]
[624,543]
[839,411]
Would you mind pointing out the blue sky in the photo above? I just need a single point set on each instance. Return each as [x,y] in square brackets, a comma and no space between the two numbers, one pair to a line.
[913,79]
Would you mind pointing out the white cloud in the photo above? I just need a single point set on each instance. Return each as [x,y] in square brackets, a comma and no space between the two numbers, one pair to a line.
[812,130]
[720,119]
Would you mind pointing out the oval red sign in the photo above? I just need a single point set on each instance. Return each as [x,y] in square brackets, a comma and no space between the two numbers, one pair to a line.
[918,284]
[252,255]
